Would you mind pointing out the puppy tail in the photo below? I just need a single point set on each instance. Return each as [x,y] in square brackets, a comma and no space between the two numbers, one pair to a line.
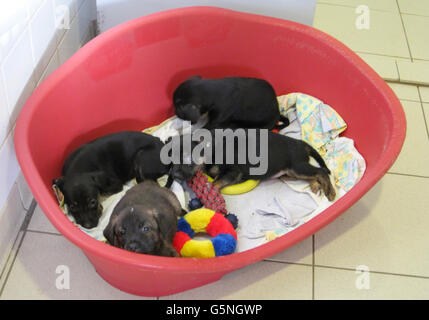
[316,156]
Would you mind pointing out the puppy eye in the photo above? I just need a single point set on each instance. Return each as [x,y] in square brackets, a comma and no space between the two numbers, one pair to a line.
[93,203]
[145,228]
[121,231]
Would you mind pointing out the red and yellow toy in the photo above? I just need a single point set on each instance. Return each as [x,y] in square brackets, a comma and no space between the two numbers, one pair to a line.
[204,220]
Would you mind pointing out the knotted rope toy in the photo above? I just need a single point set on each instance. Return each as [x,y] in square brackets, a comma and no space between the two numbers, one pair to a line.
[209,195]
[224,239]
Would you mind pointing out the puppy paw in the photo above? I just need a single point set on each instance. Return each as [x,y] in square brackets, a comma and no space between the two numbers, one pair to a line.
[214,172]
[168,251]
[219,184]
[330,192]
[315,187]
[173,253]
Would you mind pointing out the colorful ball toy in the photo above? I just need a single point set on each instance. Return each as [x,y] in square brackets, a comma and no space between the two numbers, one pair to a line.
[223,241]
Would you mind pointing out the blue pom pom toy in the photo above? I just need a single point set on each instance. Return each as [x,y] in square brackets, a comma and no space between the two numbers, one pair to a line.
[233,219]
[195,204]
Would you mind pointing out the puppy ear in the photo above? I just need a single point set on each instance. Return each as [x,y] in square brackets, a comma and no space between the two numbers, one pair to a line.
[193,113]
[108,232]
[99,178]
[167,225]
[59,182]
[106,183]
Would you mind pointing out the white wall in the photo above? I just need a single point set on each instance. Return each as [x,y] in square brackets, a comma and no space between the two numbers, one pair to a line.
[34,41]
[114,12]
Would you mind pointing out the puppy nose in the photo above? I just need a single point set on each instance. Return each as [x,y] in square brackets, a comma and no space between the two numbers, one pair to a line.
[88,225]
[133,246]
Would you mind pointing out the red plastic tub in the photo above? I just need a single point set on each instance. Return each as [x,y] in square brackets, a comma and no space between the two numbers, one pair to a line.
[124,79]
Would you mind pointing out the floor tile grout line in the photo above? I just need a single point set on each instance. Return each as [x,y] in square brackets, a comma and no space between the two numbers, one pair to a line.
[405,31]
[288,262]
[352,6]
[409,100]
[420,59]
[45,232]
[351,269]
[423,110]
[410,14]
[397,70]
[22,230]
[414,14]
[407,175]
[375,272]
[420,94]
[407,83]
[9,257]
[383,55]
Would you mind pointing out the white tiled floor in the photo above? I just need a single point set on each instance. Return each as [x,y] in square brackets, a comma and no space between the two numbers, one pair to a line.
[260,281]
[418,40]
[384,25]
[386,231]
[34,273]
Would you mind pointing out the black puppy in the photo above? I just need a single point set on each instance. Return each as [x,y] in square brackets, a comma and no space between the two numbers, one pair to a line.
[231,102]
[102,166]
[145,220]
[284,156]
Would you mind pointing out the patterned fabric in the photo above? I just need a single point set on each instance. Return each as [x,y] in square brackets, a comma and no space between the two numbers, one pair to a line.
[320,127]
[346,163]
[319,122]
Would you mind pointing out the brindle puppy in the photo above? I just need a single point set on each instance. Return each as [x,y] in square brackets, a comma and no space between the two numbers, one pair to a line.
[145,220]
